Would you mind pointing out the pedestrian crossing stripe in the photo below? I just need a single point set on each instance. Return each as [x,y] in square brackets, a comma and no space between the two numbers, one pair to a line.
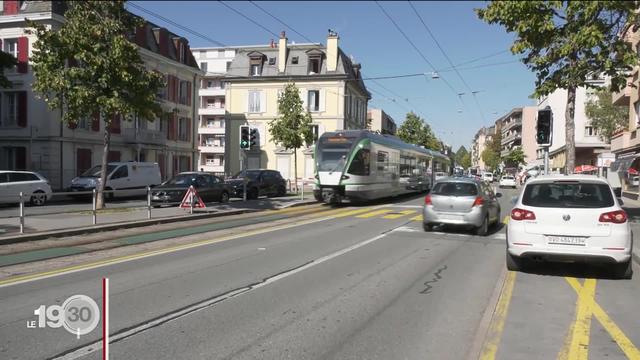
[417,218]
[399,214]
[352,212]
[374,213]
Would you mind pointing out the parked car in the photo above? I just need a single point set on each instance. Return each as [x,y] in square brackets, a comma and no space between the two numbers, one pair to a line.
[507,181]
[461,201]
[569,218]
[209,188]
[130,177]
[34,187]
[259,182]
[487,176]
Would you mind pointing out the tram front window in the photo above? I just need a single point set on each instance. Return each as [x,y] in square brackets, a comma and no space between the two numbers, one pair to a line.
[333,153]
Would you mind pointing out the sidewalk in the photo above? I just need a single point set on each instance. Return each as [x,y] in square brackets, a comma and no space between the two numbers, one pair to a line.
[10,227]
[632,207]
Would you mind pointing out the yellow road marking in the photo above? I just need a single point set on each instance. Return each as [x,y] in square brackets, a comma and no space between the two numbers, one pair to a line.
[353,212]
[92,265]
[374,213]
[417,218]
[494,334]
[614,331]
[579,346]
[399,214]
[505,220]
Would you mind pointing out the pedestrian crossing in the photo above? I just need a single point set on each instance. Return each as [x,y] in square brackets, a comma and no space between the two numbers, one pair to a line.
[382,213]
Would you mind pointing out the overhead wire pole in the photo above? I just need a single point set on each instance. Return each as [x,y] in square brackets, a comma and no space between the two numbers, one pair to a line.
[281,22]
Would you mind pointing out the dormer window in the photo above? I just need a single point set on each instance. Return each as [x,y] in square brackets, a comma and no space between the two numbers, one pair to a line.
[256,61]
[256,70]
[315,61]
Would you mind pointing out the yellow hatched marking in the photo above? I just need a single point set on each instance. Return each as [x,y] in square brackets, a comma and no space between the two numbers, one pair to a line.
[374,213]
[417,218]
[505,220]
[352,212]
[399,214]
[579,345]
[494,334]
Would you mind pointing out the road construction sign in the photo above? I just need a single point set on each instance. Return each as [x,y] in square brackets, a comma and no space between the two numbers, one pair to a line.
[192,197]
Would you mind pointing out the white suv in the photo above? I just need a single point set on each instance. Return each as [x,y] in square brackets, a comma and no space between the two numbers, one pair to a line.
[34,187]
[569,218]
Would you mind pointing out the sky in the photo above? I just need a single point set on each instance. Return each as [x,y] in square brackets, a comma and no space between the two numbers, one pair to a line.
[368,35]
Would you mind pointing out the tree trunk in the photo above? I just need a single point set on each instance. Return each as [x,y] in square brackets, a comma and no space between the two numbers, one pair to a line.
[570,133]
[295,167]
[103,170]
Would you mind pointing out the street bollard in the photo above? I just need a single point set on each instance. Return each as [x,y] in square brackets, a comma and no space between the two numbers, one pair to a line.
[94,213]
[192,200]
[148,202]
[21,213]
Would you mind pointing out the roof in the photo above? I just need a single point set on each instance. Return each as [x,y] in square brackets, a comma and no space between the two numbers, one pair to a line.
[30,7]
[572,177]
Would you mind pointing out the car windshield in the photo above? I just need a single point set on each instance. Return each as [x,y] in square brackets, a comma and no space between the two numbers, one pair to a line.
[251,174]
[507,178]
[95,171]
[568,195]
[183,180]
[332,152]
[455,189]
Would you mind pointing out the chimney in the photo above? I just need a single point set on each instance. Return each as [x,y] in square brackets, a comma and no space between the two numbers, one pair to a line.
[332,51]
[282,52]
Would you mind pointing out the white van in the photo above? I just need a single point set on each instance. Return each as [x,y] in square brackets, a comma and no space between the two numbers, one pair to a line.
[127,178]
[487,176]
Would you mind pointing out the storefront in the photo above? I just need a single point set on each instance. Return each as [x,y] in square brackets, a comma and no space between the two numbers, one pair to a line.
[628,169]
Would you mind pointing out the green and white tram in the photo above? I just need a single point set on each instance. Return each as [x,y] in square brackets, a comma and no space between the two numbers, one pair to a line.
[359,165]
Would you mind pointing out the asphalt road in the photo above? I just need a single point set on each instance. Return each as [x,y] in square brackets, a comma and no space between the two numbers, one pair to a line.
[350,283]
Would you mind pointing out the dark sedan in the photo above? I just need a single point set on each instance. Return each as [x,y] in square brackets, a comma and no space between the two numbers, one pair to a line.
[259,183]
[209,187]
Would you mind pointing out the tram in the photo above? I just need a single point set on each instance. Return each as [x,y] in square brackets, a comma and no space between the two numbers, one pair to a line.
[360,165]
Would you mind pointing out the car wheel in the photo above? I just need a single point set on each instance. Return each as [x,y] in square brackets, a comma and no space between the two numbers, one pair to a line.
[224,197]
[514,263]
[483,229]
[38,198]
[624,270]
[427,227]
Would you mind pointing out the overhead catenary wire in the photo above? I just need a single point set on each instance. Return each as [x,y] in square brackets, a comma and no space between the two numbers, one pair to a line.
[248,18]
[281,22]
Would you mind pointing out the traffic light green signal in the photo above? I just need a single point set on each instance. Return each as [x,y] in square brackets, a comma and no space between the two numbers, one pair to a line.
[543,127]
[245,143]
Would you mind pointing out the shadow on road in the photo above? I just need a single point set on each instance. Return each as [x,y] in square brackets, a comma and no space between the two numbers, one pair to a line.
[576,270]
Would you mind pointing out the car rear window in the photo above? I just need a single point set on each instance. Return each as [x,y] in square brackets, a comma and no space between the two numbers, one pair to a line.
[455,189]
[568,195]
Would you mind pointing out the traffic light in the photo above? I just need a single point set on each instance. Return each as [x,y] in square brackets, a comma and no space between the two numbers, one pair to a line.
[253,137]
[245,143]
[544,126]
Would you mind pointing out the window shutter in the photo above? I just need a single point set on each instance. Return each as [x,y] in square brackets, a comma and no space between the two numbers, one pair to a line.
[115,124]
[10,7]
[168,128]
[176,86]
[22,109]
[175,164]
[322,100]
[189,93]
[263,101]
[188,129]
[23,54]
[95,121]
[72,124]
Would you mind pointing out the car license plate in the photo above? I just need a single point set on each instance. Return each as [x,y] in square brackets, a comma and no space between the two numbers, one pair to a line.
[566,240]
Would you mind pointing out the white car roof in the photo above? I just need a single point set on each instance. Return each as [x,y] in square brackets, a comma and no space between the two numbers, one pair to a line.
[573,177]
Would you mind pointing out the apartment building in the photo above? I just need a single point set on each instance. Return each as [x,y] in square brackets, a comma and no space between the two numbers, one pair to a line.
[331,89]
[214,62]
[588,143]
[33,137]
[380,121]
[518,128]
[480,142]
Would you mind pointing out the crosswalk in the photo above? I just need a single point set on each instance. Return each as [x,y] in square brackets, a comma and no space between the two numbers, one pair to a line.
[382,213]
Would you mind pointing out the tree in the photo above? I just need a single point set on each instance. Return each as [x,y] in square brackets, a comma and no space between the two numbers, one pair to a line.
[460,155]
[6,62]
[89,66]
[292,129]
[515,157]
[566,43]
[605,117]
[465,161]
[414,130]
[491,154]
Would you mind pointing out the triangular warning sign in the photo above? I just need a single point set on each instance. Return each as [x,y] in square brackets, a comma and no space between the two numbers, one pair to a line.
[189,197]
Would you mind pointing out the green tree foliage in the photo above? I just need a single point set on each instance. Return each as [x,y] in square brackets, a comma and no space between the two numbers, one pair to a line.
[566,43]
[491,153]
[6,62]
[514,158]
[292,129]
[89,66]
[460,156]
[465,161]
[606,117]
[414,130]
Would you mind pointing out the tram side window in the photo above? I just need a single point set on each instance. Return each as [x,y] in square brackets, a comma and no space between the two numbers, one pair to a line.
[361,163]
[383,160]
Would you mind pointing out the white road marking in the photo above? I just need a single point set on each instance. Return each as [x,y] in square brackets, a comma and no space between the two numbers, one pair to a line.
[500,236]
[408,229]
[405,206]
[97,345]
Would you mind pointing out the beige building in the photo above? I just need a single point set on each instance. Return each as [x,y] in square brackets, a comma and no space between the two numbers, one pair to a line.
[381,122]
[480,141]
[331,88]
[32,137]
[518,129]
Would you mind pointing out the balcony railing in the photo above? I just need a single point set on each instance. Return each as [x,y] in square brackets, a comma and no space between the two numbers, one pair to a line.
[512,137]
[512,124]
[211,148]
[211,111]
[144,136]
[211,130]
[212,92]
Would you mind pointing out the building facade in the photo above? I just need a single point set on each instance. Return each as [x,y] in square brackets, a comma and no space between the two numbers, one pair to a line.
[331,89]
[32,137]
[381,122]
[518,129]
[480,142]
[588,143]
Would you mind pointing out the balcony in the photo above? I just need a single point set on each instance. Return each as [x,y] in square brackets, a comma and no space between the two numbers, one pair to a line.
[622,97]
[511,125]
[621,141]
[505,152]
[211,111]
[213,168]
[211,130]
[212,92]
[211,149]
[510,138]
[143,136]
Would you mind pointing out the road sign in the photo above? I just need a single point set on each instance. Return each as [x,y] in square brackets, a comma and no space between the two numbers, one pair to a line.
[189,198]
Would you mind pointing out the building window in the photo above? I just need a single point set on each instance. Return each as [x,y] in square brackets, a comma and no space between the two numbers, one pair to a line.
[228,65]
[254,101]
[256,69]
[183,129]
[182,92]
[203,66]
[315,130]
[11,47]
[313,100]
[314,65]
[294,60]
[9,109]
[636,107]
[162,90]
[590,131]
[272,61]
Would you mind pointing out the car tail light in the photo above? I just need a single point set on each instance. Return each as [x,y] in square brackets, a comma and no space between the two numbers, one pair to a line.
[478,201]
[521,214]
[616,217]
[427,200]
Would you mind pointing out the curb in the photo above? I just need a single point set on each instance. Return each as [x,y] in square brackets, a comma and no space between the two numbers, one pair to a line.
[128,225]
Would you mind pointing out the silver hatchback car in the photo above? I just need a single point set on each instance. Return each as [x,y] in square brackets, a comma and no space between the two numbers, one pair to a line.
[463,202]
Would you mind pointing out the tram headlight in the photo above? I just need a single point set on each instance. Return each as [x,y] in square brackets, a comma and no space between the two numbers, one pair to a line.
[344,177]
